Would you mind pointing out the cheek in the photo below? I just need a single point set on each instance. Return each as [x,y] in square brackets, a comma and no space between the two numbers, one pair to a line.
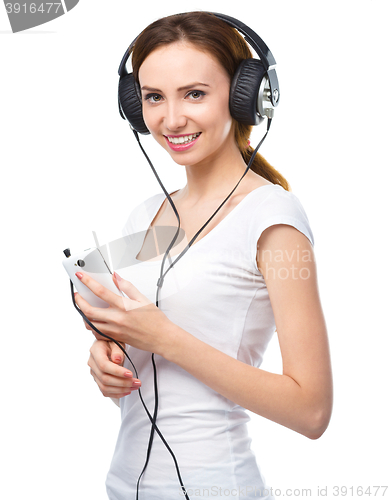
[222,113]
[152,119]
[223,123]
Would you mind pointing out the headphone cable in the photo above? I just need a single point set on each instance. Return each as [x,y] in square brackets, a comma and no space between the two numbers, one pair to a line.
[162,276]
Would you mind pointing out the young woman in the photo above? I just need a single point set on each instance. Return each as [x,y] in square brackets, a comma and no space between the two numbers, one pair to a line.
[251,271]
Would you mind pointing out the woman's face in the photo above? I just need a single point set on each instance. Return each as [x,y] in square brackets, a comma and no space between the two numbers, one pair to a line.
[185,95]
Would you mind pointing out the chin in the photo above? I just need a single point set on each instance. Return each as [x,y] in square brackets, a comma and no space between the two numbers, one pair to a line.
[181,159]
[186,158]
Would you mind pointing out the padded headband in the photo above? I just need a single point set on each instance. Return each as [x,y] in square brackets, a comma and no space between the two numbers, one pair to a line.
[259,46]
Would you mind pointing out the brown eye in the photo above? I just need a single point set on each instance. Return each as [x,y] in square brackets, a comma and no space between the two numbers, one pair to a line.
[195,95]
[153,98]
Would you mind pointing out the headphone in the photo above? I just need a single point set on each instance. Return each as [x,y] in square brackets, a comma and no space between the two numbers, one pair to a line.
[254,91]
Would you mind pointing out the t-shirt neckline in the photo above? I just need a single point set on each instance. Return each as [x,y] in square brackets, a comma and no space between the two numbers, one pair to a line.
[216,228]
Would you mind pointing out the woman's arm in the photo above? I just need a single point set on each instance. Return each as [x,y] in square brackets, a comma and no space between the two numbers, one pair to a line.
[300,398]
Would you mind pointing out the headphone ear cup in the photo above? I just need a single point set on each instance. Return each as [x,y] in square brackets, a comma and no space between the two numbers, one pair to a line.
[130,100]
[244,92]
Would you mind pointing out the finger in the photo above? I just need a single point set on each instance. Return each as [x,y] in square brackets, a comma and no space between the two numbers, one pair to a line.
[130,290]
[110,383]
[113,380]
[117,355]
[100,291]
[100,362]
[112,391]
[113,385]
[94,313]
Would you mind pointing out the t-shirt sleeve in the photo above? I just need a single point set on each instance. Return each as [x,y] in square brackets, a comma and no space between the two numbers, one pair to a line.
[280,207]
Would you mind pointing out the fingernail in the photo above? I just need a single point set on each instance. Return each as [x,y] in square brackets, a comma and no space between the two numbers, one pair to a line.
[118,360]
[136,383]
[79,275]
[128,374]
[117,276]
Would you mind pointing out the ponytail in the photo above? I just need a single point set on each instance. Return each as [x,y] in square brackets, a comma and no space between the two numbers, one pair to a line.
[260,166]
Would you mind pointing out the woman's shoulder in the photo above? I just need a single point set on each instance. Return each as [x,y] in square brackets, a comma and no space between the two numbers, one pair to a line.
[273,205]
[266,193]
[274,198]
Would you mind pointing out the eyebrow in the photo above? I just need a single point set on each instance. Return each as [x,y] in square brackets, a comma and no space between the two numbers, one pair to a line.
[186,87]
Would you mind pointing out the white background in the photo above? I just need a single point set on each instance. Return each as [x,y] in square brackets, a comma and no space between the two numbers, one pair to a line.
[70,165]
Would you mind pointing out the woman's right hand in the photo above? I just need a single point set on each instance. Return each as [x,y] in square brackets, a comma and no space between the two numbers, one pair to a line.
[105,362]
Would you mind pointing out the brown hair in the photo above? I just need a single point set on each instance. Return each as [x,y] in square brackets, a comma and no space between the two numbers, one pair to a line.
[209,33]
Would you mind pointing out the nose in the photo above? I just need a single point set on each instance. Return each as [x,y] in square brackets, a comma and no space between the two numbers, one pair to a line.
[175,118]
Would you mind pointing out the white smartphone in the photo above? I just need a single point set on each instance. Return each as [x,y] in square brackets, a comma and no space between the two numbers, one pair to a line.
[92,263]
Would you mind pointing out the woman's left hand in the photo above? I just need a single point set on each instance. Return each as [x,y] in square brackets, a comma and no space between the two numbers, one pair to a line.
[134,320]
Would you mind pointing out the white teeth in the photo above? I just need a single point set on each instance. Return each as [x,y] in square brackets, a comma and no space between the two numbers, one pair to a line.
[183,139]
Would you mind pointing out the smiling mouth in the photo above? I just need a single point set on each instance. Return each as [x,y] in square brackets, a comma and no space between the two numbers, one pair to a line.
[183,139]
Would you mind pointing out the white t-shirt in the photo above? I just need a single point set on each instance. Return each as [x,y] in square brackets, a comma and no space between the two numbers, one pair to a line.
[216,293]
